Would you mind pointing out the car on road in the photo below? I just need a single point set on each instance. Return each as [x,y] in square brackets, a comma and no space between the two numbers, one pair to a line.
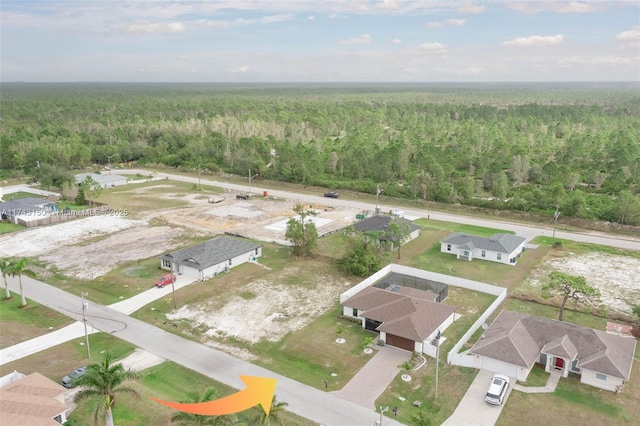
[67,381]
[497,389]
[165,280]
[332,194]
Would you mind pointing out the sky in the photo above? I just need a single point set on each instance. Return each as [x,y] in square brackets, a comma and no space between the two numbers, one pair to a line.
[319,41]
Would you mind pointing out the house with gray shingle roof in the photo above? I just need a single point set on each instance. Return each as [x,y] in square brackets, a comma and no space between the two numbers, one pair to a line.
[502,248]
[26,209]
[105,181]
[405,317]
[381,223]
[516,341]
[212,257]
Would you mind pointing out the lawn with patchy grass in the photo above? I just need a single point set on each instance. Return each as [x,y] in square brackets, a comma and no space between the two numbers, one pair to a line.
[311,355]
[58,361]
[21,324]
[576,404]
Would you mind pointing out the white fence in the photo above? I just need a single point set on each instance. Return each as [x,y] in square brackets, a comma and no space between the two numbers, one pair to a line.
[453,357]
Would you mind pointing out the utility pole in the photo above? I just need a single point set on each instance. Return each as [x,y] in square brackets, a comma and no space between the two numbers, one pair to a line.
[555,221]
[85,306]
[251,177]
[199,173]
[109,157]
[378,191]
[382,410]
[436,342]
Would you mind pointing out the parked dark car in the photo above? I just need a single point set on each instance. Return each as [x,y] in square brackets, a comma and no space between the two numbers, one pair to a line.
[67,381]
[332,194]
[242,197]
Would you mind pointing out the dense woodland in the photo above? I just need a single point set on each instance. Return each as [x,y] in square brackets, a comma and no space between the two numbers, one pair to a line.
[523,147]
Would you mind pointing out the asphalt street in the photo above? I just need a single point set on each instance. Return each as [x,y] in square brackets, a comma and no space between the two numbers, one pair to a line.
[314,404]
[622,242]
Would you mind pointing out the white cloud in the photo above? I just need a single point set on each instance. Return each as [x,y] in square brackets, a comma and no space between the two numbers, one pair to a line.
[470,9]
[213,24]
[533,7]
[363,39]
[241,69]
[151,28]
[433,47]
[388,5]
[630,35]
[396,41]
[454,22]
[276,18]
[311,18]
[536,41]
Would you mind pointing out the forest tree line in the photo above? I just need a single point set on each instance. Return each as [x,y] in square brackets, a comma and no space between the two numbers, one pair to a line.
[530,148]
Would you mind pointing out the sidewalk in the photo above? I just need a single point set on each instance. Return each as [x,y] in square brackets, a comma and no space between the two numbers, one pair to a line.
[550,387]
[75,330]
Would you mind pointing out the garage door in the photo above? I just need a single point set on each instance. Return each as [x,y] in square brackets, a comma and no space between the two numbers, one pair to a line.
[400,342]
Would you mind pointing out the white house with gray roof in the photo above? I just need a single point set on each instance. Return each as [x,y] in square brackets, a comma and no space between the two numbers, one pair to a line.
[515,342]
[212,257]
[105,181]
[502,248]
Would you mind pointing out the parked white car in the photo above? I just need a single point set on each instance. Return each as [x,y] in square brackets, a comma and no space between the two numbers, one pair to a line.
[497,390]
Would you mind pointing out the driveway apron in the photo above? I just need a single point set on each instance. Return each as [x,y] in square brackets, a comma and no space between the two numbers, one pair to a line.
[372,379]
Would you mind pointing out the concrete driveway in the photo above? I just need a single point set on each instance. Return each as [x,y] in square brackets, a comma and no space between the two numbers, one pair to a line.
[472,410]
[372,379]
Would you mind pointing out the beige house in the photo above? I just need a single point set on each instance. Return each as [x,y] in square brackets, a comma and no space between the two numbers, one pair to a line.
[405,317]
[32,400]
[515,342]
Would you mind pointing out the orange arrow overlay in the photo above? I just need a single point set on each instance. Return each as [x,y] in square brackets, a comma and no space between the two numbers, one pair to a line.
[259,390]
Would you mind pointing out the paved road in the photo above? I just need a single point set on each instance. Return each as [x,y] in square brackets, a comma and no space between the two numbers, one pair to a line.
[314,404]
[627,243]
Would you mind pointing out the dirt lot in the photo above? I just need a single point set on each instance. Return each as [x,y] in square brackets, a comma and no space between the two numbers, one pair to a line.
[88,248]
[615,277]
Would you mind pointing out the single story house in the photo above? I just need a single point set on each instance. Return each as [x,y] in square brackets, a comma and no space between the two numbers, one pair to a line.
[516,341]
[105,181]
[32,400]
[212,257]
[29,208]
[502,248]
[381,223]
[406,317]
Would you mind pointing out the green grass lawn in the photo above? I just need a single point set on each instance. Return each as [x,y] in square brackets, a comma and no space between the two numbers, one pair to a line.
[20,194]
[6,227]
[170,382]
[311,355]
[21,324]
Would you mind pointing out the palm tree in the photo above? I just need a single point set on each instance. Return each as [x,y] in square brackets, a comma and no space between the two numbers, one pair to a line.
[17,267]
[277,407]
[201,420]
[5,264]
[104,380]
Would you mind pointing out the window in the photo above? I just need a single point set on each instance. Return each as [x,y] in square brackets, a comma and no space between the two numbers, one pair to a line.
[166,264]
[355,312]
[499,256]
[484,253]
[230,262]
[601,376]
[256,252]
[448,247]
[466,253]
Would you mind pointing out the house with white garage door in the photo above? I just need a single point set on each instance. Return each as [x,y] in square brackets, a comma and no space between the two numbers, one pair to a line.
[405,310]
[212,257]
[501,248]
[515,342]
